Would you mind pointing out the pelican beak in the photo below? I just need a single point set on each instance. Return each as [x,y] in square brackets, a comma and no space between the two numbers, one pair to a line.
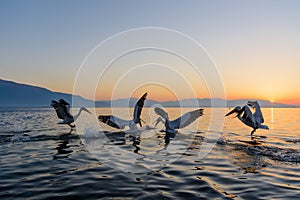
[159,119]
[231,112]
[87,110]
[156,122]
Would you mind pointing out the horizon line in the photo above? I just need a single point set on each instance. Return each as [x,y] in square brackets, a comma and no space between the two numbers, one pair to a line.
[187,98]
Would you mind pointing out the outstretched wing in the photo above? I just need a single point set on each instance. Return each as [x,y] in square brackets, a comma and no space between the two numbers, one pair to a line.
[62,109]
[247,117]
[161,112]
[65,104]
[138,109]
[186,119]
[114,121]
[258,114]
[59,109]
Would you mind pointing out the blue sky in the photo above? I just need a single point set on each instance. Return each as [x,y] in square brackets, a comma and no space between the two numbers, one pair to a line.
[252,42]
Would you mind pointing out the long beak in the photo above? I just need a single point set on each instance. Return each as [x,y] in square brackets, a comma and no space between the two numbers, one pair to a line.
[231,112]
[86,110]
[157,121]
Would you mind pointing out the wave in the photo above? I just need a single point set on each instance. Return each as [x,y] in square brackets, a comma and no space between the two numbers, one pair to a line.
[259,148]
[251,147]
[292,140]
[27,138]
[275,153]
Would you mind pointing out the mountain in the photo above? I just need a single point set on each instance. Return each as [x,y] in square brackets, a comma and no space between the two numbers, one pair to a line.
[22,95]
[205,102]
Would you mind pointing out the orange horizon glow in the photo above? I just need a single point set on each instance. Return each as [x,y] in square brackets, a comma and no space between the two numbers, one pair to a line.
[160,93]
[169,96]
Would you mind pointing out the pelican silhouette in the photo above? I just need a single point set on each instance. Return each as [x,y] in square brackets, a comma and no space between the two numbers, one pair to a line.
[178,123]
[62,109]
[119,123]
[254,120]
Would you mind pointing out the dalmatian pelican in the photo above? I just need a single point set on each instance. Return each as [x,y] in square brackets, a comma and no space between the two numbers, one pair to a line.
[62,109]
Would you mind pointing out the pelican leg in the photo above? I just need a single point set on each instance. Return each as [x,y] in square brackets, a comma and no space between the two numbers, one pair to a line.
[252,133]
[140,122]
[167,138]
[72,126]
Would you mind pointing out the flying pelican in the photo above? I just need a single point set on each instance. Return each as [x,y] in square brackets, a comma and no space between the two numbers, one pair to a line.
[247,117]
[178,123]
[62,109]
[118,123]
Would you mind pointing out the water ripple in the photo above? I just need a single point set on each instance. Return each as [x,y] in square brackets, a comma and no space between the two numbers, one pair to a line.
[42,160]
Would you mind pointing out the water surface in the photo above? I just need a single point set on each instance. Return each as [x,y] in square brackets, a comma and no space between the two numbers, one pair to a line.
[41,159]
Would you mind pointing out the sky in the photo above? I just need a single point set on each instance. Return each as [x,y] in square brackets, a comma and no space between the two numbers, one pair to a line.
[253,45]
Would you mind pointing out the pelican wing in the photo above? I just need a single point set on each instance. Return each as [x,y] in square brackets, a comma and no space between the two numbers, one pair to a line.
[161,112]
[65,104]
[59,109]
[138,109]
[247,117]
[186,119]
[258,115]
[114,121]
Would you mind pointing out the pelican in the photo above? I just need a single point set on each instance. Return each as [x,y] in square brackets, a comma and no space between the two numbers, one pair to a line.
[178,123]
[247,117]
[62,109]
[118,123]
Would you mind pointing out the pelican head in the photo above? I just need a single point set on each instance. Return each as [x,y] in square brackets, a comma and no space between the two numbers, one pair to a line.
[237,110]
[252,104]
[103,118]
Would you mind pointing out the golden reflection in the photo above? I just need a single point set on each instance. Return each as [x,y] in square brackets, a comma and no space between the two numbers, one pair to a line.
[246,162]
[272,117]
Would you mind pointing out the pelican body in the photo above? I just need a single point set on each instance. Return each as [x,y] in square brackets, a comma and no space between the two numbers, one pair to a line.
[62,109]
[119,123]
[254,120]
[181,122]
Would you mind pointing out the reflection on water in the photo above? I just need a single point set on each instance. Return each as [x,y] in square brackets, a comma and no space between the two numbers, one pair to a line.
[46,161]
[136,142]
[63,150]
[247,163]
[272,116]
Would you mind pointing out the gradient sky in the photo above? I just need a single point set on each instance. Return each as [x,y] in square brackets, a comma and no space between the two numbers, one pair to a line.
[255,44]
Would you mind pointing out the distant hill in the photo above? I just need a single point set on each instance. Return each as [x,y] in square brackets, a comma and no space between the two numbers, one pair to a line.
[14,94]
[22,95]
[205,102]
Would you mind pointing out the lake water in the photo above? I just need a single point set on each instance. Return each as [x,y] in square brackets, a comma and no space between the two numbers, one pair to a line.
[41,159]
